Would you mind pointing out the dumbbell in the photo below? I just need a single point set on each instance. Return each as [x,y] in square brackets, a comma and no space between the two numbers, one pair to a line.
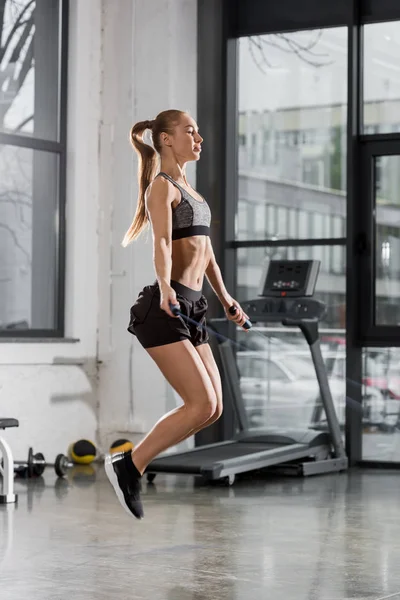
[36,465]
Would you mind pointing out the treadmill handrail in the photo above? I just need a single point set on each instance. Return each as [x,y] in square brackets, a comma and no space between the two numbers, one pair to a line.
[327,401]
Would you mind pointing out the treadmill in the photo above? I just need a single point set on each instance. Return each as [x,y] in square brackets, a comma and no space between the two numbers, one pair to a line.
[285,296]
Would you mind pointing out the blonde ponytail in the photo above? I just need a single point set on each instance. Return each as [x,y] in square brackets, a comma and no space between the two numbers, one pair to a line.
[148,163]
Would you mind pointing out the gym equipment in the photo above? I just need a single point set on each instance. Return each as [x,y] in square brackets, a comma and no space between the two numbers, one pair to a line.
[36,464]
[122,445]
[7,468]
[285,297]
[82,452]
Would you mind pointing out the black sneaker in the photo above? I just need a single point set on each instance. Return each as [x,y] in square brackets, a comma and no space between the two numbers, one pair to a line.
[125,479]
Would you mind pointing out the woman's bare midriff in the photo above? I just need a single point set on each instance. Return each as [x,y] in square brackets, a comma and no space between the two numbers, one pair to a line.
[190,257]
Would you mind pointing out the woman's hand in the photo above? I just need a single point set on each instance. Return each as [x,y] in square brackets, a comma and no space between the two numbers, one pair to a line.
[239,317]
[168,296]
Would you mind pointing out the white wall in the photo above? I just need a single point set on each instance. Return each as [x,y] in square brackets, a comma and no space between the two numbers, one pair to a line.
[158,41]
[128,59]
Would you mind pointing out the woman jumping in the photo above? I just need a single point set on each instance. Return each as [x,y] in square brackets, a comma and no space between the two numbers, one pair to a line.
[182,253]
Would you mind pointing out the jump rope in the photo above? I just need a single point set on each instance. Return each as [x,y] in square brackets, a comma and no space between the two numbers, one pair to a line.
[247,325]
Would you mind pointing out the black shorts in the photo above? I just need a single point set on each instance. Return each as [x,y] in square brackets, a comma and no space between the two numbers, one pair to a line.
[153,327]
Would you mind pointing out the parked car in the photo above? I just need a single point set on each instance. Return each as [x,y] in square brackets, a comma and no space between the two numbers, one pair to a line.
[380,370]
[281,390]
[380,375]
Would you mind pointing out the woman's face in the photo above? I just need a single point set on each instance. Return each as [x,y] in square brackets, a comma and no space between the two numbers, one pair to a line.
[186,140]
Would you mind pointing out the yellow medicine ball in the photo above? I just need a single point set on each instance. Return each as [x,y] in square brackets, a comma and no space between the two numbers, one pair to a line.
[82,452]
[121,446]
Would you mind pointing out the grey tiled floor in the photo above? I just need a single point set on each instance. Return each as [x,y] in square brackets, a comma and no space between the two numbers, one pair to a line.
[326,538]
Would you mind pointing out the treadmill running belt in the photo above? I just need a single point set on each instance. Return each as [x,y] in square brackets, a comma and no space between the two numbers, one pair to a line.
[208,456]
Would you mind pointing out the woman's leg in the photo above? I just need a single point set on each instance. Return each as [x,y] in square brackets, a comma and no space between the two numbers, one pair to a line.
[195,377]
[185,370]
[208,359]
[206,355]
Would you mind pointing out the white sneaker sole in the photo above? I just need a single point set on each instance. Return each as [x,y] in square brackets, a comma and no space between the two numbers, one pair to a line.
[114,482]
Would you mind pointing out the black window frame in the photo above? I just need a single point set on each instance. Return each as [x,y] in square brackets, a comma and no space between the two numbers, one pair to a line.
[60,149]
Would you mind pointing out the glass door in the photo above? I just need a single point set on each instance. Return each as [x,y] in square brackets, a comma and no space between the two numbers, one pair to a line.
[380,222]
[379,243]
[387,240]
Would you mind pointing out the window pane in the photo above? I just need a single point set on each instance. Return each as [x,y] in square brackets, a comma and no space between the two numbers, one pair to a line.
[387,240]
[292,129]
[381,404]
[381,78]
[29,68]
[278,381]
[28,238]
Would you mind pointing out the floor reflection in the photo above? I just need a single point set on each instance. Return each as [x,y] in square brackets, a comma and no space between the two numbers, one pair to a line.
[329,537]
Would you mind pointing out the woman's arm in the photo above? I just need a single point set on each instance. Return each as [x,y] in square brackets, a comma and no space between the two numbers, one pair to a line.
[158,203]
[214,277]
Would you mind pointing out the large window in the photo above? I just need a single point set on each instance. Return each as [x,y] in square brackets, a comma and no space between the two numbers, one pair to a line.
[292,124]
[277,378]
[292,153]
[381,78]
[312,170]
[32,166]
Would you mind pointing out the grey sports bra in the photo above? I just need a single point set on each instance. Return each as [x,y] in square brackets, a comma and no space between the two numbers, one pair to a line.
[191,216]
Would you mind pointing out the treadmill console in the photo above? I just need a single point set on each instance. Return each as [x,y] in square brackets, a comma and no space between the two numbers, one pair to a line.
[284,309]
[289,278]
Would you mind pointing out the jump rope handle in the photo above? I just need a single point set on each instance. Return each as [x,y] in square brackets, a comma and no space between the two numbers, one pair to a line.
[174,309]
[247,324]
